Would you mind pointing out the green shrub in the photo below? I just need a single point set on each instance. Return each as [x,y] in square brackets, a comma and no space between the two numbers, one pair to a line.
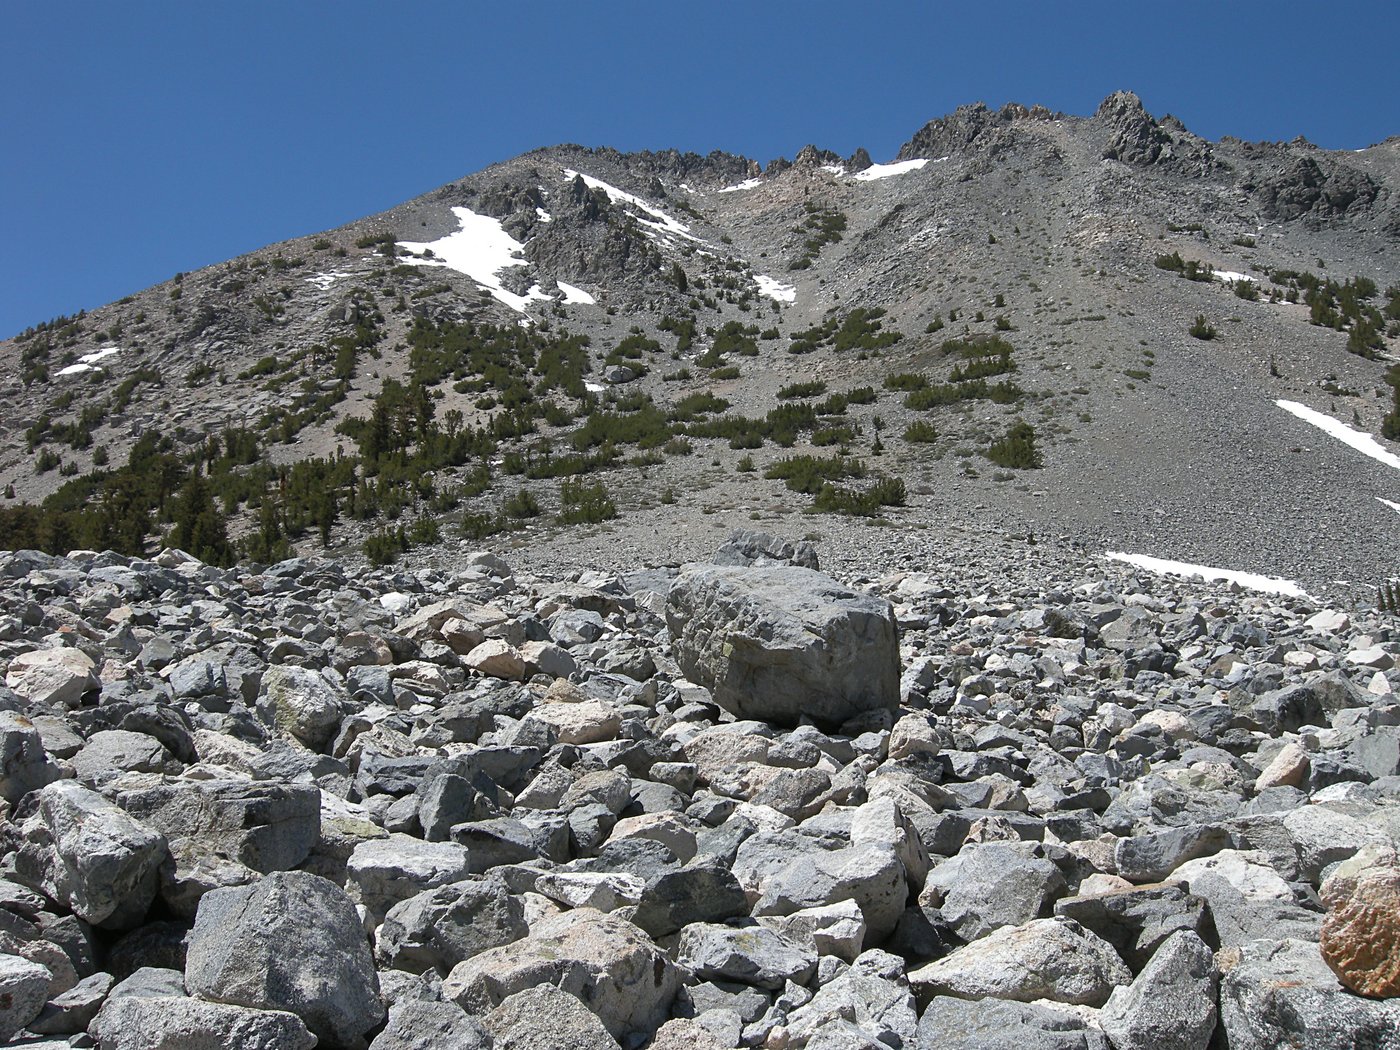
[1202,329]
[792,391]
[583,503]
[1017,449]
[521,505]
[920,432]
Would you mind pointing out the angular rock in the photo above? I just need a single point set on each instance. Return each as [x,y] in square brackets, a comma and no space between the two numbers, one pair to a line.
[24,765]
[627,982]
[88,855]
[873,878]
[545,1018]
[1170,1005]
[497,658]
[748,954]
[419,1024]
[783,644]
[441,927]
[165,1022]
[56,677]
[705,891]
[293,942]
[1276,993]
[382,872]
[990,885]
[24,988]
[997,1024]
[1137,920]
[301,702]
[1044,959]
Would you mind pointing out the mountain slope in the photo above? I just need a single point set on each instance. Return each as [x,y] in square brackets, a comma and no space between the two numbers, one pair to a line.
[1048,254]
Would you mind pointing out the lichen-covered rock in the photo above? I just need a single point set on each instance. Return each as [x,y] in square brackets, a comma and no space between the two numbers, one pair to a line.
[301,702]
[1361,934]
[785,643]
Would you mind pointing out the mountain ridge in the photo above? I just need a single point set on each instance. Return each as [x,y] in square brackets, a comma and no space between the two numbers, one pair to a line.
[1042,230]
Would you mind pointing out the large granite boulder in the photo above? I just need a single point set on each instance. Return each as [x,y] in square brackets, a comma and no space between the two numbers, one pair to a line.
[293,942]
[91,857]
[784,643]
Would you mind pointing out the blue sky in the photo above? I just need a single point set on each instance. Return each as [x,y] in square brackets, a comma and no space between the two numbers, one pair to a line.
[139,139]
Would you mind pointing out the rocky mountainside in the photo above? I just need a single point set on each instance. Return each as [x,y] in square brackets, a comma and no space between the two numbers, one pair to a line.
[1026,324]
[1029,802]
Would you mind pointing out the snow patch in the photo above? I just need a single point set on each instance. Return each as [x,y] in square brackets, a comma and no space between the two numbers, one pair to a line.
[1392,505]
[1232,277]
[774,289]
[660,221]
[747,184]
[884,171]
[88,362]
[1362,442]
[575,295]
[1250,580]
[596,388]
[544,215]
[325,280]
[481,249]
[834,169]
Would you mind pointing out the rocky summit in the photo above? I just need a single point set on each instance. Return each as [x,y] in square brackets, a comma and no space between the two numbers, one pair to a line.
[1048,802]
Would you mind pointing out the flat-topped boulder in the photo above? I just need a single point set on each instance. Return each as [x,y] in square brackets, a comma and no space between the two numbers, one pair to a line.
[783,643]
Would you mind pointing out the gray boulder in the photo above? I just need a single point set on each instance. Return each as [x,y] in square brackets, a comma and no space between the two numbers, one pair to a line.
[1170,1005]
[24,988]
[748,954]
[997,1024]
[166,1022]
[1137,921]
[424,1024]
[52,676]
[88,855]
[291,942]
[989,885]
[382,872]
[302,703]
[607,961]
[24,765]
[705,891]
[1044,959]
[783,644]
[1277,993]
[441,927]
[122,751]
[265,825]
[873,878]
[751,547]
[545,1018]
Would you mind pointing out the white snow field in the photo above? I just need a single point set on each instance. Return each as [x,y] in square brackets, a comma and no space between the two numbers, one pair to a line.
[481,249]
[884,171]
[1357,439]
[775,289]
[1391,504]
[575,295]
[88,362]
[747,184]
[324,280]
[1250,580]
[660,221]
[1233,276]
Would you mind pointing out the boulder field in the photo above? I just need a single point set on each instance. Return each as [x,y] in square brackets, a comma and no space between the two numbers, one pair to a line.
[739,804]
